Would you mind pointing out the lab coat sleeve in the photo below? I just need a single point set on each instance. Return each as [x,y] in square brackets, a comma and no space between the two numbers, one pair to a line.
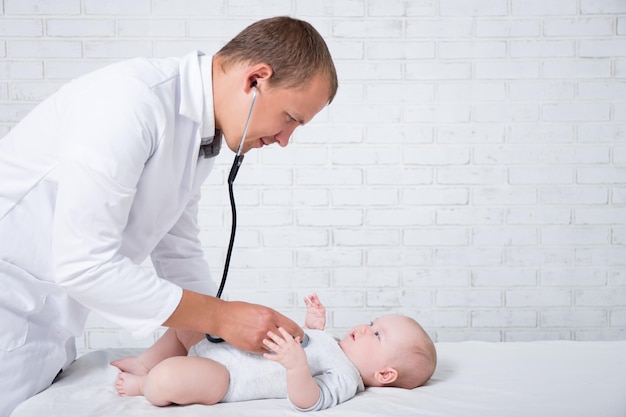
[109,131]
[191,270]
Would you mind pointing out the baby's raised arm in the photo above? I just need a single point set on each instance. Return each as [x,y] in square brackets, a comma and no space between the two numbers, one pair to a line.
[315,313]
[302,389]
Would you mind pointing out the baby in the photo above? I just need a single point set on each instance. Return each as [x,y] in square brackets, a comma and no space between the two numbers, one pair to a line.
[182,367]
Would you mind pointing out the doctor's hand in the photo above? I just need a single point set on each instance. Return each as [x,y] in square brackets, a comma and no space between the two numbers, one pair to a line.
[241,324]
[246,325]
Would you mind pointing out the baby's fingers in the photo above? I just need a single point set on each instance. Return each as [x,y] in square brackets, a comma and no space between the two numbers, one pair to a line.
[286,336]
[274,338]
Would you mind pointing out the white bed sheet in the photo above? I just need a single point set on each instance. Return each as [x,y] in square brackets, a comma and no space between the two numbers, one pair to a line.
[551,379]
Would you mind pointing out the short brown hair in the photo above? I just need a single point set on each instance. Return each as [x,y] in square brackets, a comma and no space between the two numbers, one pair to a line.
[293,48]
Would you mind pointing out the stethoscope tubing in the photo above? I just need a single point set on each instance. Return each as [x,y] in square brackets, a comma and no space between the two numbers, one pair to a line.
[233,228]
[231,179]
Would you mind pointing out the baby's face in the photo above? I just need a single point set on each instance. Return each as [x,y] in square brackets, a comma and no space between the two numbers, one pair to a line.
[373,346]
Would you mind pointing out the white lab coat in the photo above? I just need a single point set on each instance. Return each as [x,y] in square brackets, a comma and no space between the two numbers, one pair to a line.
[95,179]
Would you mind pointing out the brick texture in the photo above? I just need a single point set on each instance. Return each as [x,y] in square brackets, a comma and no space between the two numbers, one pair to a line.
[471,171]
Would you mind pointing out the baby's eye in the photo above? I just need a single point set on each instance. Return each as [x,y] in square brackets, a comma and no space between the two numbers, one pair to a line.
[377,334]
[371,323]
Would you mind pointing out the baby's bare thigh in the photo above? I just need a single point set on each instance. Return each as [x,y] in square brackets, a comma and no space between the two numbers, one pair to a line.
[188,380]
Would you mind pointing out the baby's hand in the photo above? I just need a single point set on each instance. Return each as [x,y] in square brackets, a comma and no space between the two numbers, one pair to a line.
[285,350]
[315,313]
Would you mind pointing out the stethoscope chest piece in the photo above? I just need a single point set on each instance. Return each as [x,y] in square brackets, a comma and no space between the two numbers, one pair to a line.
[305,340]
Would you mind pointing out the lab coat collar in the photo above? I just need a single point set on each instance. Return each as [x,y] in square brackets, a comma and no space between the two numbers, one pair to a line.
[208,115]
[196,96]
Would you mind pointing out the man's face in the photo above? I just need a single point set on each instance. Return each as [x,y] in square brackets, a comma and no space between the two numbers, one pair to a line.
[278,111]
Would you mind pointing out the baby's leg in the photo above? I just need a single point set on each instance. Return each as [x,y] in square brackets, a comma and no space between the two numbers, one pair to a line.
[186,380]
[174,342]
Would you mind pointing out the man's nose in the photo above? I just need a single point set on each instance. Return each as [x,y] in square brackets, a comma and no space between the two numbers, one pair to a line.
[284,136]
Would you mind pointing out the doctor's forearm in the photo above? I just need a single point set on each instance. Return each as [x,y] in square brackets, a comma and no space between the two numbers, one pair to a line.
[197,312]
[243,325]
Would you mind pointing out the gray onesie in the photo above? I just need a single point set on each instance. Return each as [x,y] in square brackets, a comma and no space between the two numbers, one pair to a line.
[253,377]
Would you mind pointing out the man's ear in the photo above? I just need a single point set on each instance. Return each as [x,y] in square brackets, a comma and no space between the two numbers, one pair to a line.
[257,74]
[387,376]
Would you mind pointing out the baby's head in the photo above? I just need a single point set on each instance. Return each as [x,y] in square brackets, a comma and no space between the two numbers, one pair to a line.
[393,351]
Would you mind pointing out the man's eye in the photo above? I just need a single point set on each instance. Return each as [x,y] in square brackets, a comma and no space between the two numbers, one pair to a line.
[371,323]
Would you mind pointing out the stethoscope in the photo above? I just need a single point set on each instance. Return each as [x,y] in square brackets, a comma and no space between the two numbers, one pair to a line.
[233,228]
[231,179]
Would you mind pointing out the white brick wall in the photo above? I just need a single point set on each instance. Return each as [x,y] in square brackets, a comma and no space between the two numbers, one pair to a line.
[471,171]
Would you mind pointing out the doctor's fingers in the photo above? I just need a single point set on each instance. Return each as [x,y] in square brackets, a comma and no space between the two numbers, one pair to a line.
[288,326]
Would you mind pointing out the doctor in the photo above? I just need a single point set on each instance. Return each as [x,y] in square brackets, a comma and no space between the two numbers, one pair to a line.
[107,172]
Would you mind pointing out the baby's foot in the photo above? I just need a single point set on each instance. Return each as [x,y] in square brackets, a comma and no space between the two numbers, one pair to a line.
[128,385]
[131,365]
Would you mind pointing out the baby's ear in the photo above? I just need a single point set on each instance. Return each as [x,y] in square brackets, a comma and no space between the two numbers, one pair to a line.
[387,376]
